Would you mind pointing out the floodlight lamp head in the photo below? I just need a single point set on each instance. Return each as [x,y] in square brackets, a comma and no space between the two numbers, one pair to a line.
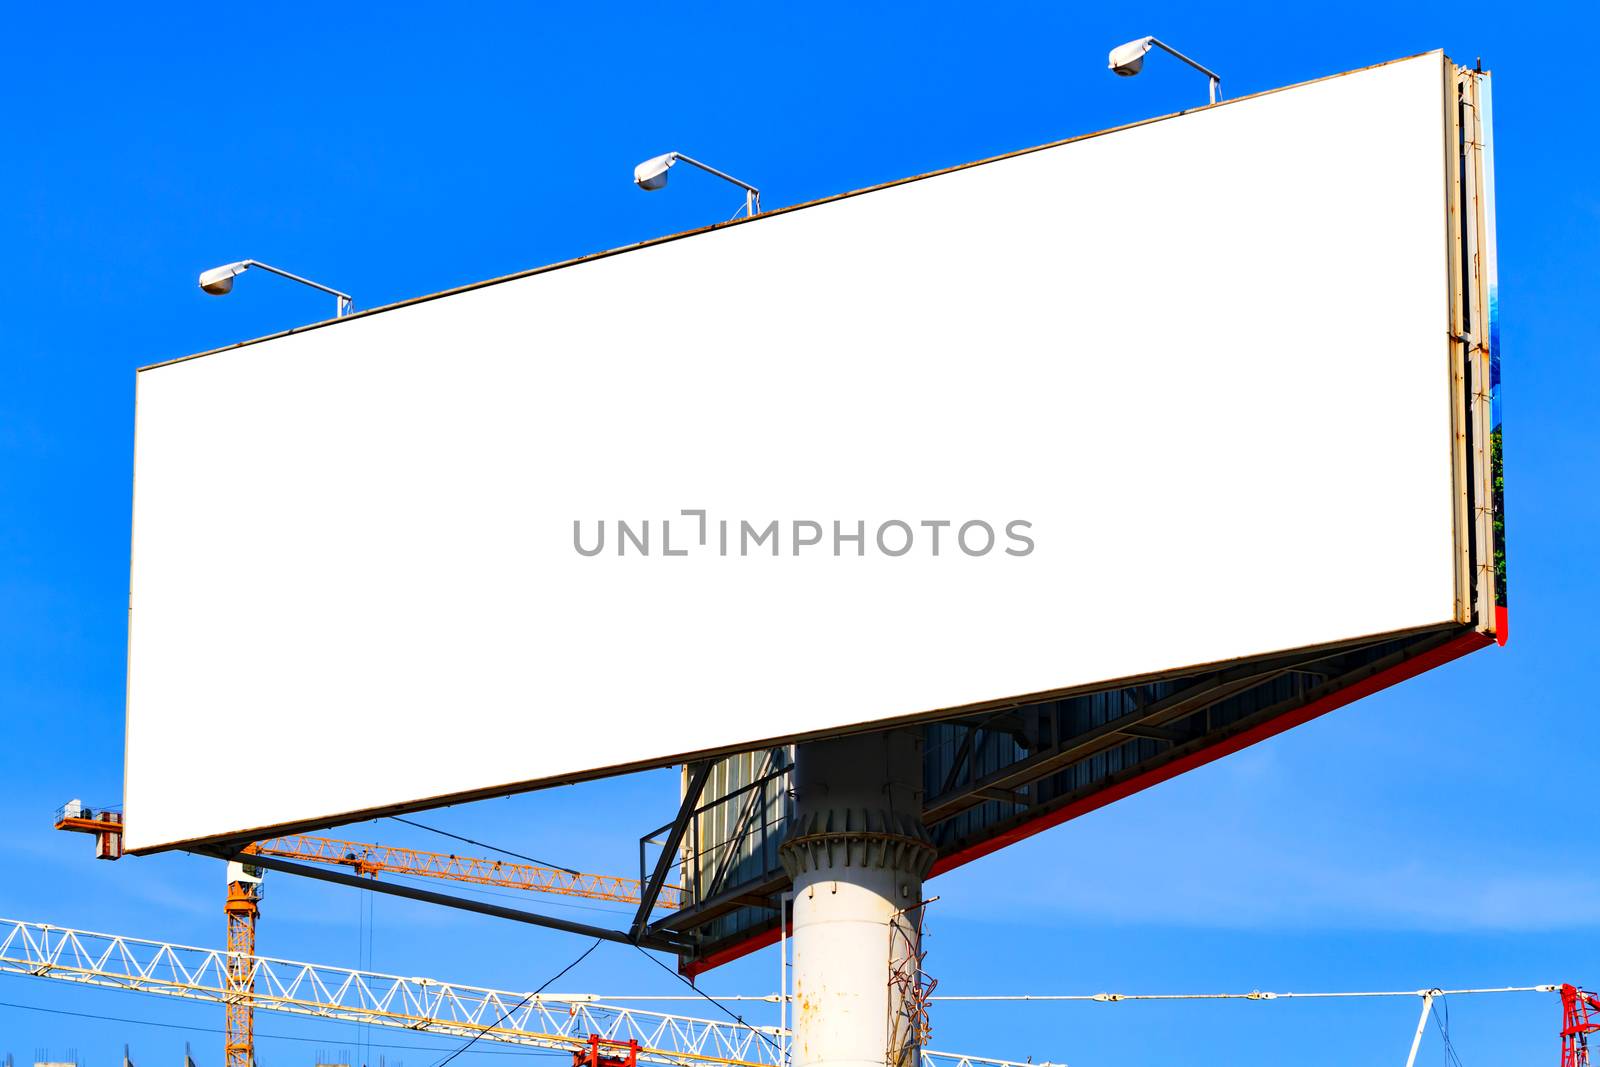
[1128,59]
[652,173]
[218,281]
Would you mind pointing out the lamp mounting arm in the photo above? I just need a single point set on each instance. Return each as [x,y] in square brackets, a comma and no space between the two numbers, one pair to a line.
[752,194]
[1216,79]
[346,301]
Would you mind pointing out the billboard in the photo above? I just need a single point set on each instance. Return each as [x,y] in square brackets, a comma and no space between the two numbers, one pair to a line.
[1109,411]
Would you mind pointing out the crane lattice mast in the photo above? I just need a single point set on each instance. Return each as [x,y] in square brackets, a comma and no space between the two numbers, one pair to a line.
[370,859]
[1579,1010]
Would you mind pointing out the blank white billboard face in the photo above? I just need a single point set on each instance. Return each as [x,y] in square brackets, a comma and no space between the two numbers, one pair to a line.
[1192,375]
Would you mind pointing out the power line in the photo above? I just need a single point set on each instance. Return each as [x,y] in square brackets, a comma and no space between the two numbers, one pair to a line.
[1111,998]
[507,1013]
[421,879]
[710,999]
[270,1037]
[720,1007]
[1442,1021]
[480,844]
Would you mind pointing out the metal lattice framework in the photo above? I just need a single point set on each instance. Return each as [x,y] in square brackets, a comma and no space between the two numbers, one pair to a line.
[1579,1011]
[370,859]
[562,1022]
[239,1048]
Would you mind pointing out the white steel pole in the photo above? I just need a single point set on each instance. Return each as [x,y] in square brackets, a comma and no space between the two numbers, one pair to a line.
[1422,1024]
[857,856]
[785,909]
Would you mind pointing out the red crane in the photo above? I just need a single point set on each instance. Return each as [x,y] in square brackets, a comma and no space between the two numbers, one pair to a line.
[1579,1011]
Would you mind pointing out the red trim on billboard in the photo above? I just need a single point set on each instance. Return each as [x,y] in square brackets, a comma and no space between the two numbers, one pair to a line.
[1502,625]
[1453,649]
[733,952]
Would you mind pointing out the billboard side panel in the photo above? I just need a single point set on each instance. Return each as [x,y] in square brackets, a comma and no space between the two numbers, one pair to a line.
[1480,526]
[375,538]
[1490,267]
[1458,207]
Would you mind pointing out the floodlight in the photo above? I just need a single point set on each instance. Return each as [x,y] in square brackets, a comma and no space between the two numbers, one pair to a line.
[652,175]
[1128,59]
[218,281]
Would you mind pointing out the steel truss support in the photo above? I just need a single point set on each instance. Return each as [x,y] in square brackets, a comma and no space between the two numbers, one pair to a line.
[638,932]
[1152,719]
[559,1022]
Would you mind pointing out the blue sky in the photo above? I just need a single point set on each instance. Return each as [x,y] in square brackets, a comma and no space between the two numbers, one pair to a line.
[1436,834]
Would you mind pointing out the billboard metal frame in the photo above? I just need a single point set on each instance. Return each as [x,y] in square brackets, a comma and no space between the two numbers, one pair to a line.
[1481,617]
[1175,749]
[1329,676]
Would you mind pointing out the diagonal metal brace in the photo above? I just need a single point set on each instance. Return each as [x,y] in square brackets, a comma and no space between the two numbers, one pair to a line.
[669,849]
[730,850]
[396,889]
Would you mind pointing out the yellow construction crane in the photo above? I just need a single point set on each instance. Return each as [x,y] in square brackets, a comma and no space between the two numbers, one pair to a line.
[370,859]
[242,907]
[373,860]
[243,903]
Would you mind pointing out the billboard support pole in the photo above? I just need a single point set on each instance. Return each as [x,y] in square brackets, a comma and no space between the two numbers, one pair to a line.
[857,854]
